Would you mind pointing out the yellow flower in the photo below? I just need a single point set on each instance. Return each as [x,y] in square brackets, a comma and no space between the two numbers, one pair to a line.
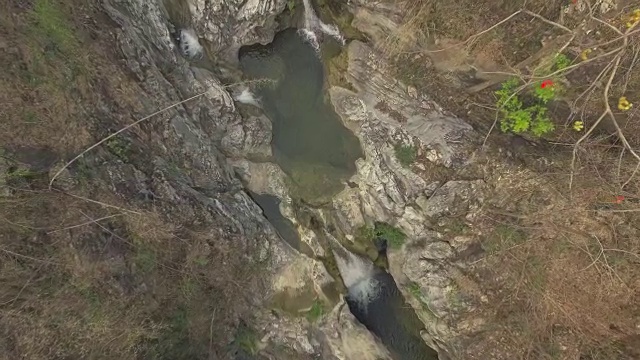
[624,104]
[584,55]
[578,125]
[634,18]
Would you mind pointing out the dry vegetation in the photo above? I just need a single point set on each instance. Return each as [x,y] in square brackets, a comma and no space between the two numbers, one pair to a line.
[561,234]
[85,272]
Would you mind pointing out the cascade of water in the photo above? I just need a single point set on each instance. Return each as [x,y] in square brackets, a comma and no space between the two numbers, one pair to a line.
[247,97]
[189,44]
[312,24]
[357,274]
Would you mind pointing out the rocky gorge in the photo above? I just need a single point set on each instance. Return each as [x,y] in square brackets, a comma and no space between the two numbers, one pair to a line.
[228,143]
[313,179]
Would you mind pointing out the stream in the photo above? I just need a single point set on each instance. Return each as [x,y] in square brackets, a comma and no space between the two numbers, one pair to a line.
[310,143]
[318,152]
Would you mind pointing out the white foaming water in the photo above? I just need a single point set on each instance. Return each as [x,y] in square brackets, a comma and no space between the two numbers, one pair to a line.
[312,24]
[358,276]
[189,44]
[332,30]
[310,37]
[247,97]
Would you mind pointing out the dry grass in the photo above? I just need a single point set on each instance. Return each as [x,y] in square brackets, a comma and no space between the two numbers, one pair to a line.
[563,279]
[88,272]
[561,267]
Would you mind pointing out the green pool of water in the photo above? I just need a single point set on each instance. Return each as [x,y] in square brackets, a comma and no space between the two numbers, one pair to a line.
[310,142]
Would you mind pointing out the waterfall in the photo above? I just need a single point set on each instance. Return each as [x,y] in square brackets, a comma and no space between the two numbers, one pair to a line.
[313,24]
[357,274]
[247,97]
[189,44]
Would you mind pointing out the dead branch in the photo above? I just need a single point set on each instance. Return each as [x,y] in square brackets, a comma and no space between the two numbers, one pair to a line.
[93,221]
[121,131]
[606,112]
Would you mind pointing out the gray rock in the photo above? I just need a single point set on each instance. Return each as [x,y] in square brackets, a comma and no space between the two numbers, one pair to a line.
[452,199]
[390,101]
[191,181]
[227,25]
[248,137]
[348,339]
[262,178]
[383,112]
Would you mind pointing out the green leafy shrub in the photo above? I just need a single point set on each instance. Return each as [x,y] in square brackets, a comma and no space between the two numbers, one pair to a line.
[394,236]
[561,62]
[315,312]
[119,147]
[519,118]
[291,5]
[364,234]
[406,154]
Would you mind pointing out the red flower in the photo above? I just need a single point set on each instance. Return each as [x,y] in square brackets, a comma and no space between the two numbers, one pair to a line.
[546,83]
[619,199]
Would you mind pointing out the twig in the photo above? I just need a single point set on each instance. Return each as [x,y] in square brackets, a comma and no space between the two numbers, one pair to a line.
[98,202]
[593,84]
[121,131]
[600,253]
[107,230]
[29,257]
[607,24]
[213,316]
[84,223]
[631,66]
[624,251]
[19,225]
[599,45]
[474,36]
[617,210]
[602,116]
[23,287]
[540,17]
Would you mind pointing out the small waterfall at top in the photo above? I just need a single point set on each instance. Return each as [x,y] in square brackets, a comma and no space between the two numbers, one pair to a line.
[312,24]
[358,275]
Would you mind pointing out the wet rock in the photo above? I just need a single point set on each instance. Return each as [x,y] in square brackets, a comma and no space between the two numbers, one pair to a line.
[390,102]
[336,336]
[348,339]
[227,25]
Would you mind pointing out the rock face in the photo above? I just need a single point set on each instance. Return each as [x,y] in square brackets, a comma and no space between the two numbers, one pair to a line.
[187,175]
[228,25]
[385,114]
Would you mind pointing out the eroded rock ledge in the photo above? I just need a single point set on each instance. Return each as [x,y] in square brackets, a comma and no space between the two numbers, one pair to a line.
[419,199]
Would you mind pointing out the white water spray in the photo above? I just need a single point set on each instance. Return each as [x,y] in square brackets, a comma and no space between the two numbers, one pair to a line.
[313,24]
[189,44]
[247,97]
[357,274]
